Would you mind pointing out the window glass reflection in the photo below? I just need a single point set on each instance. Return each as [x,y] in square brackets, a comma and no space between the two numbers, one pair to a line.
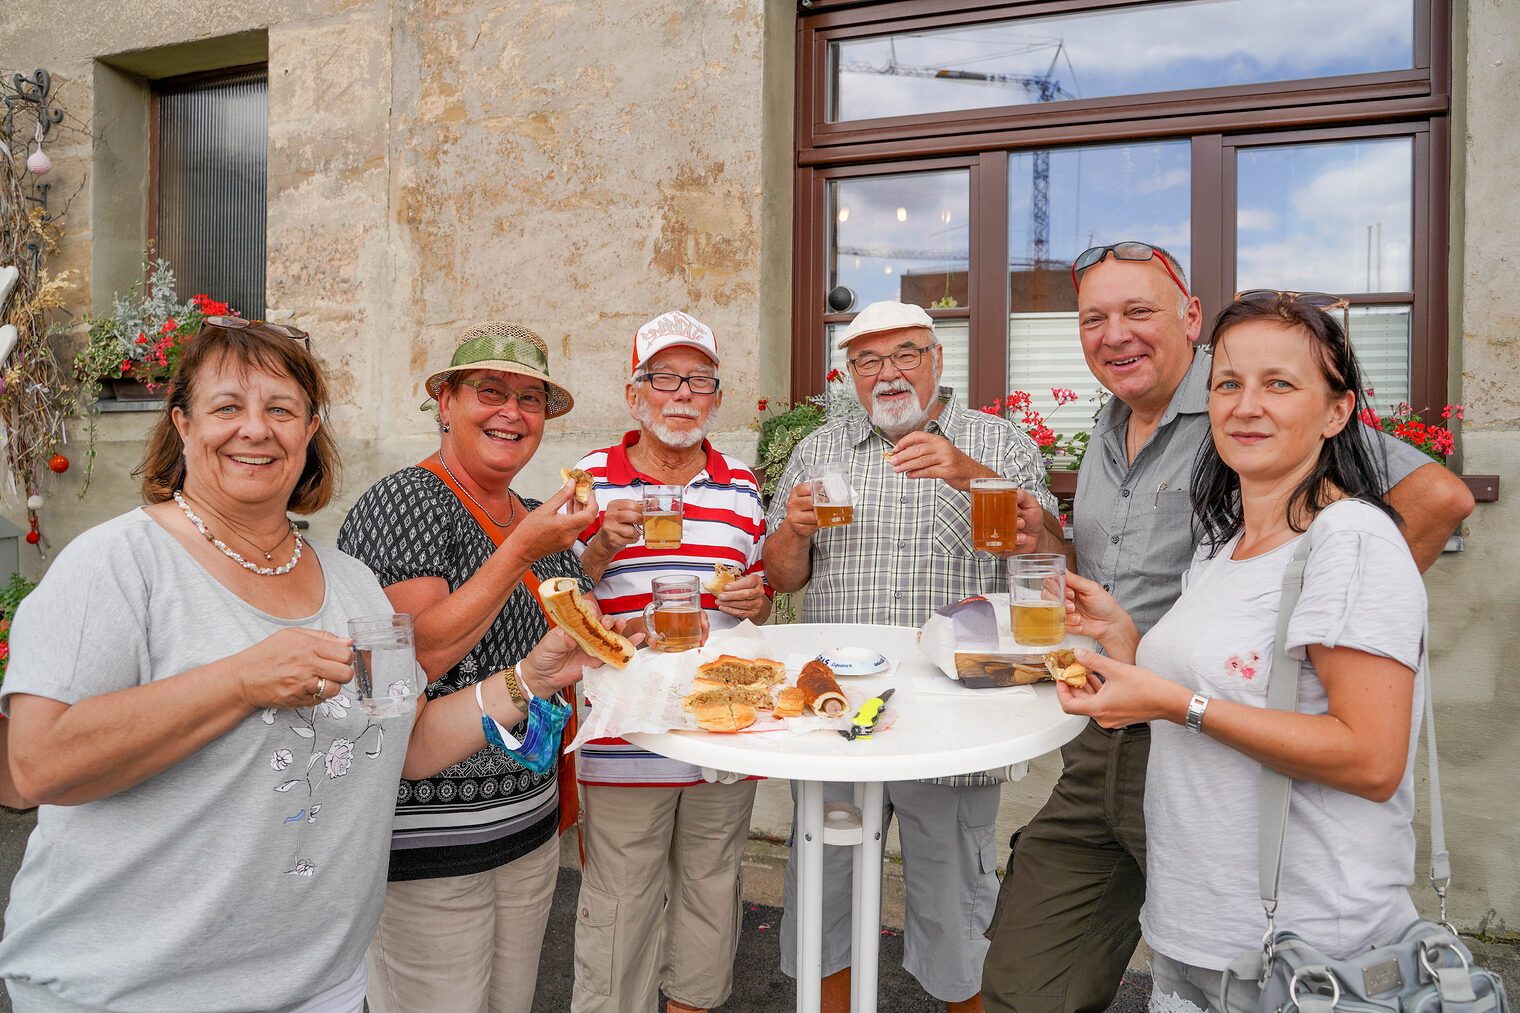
[902,237]
[1330,217]
[955,335]
[1061,202]
[1150,48]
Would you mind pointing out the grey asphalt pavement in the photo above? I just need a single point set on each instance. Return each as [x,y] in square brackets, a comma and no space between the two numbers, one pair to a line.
[759,985]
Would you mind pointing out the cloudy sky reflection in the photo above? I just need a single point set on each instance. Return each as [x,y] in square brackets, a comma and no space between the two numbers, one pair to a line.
[1164,47]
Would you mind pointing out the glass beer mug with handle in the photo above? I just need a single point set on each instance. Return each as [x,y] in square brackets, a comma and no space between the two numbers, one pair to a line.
[673,617]
[995,515]
[387,678]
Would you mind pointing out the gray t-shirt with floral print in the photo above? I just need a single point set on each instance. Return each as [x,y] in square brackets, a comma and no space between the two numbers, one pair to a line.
[249,876]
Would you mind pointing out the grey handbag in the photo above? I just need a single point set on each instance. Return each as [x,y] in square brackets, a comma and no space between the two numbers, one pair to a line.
[1425,969]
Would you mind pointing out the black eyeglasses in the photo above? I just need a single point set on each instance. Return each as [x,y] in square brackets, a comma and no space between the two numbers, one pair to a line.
[669,382]
[904,359]
[1128,250]
[239,324]
[492,394]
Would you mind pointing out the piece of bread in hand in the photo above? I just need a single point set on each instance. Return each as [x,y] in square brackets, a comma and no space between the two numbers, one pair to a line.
[724,574]
[562,601]
[724,717]
[789,703]
[1064,667]
[738,671]
[583,482]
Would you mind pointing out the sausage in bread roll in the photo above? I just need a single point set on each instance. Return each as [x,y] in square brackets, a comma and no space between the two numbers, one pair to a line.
[562,600]
[820,690]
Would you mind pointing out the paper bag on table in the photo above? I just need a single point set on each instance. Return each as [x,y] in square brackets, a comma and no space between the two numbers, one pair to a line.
[971,642]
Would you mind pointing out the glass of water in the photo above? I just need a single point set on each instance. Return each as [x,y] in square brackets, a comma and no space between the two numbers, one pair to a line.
[384,659]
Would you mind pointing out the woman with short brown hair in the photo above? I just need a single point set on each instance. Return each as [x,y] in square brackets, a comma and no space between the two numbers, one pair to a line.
[215,808]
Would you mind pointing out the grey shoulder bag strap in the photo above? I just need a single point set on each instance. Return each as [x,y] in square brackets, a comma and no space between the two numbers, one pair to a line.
[1276,788]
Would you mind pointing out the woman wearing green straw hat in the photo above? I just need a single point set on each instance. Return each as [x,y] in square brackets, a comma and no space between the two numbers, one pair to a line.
[474,851]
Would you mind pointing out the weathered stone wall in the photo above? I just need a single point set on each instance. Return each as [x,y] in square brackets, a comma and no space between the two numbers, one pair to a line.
[577,168]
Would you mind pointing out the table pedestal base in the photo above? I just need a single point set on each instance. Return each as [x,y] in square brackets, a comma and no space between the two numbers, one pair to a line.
[865,892]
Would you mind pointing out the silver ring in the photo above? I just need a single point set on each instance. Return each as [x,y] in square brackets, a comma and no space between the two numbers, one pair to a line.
[321,688]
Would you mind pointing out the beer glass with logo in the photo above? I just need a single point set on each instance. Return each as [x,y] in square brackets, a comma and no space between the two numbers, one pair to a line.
[995,515]
[673,616]
[833,501]
[1037,596]
[384,659]
[662,516]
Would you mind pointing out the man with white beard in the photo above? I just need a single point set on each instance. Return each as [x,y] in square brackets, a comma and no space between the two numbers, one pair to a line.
[659,901]
[910,454]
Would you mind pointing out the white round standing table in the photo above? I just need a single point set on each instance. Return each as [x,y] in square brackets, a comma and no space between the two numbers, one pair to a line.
[933,735]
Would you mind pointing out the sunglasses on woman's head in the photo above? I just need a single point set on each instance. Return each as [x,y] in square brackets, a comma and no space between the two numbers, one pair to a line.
[1319,300]
[239,324]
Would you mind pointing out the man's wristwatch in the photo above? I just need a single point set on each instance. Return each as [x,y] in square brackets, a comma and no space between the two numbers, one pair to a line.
[1194,722]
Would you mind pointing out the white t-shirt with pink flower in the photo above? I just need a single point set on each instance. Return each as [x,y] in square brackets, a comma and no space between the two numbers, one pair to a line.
[1347,861]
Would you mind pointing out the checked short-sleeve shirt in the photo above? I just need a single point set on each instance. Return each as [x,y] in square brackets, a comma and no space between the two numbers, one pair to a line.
[908,550]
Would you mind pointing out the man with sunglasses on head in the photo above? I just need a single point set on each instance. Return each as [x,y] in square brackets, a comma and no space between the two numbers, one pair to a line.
[1067,919]
[910,453]
[640,928]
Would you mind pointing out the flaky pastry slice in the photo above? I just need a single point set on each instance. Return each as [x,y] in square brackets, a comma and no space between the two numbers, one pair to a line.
[1064,667]
[724,574]
[724,717]
[583,482]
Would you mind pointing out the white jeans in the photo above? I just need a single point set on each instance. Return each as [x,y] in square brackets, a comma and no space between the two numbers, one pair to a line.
[1184,988]
[464,944]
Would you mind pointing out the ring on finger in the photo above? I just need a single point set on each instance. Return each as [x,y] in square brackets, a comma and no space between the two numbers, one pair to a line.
[321,689]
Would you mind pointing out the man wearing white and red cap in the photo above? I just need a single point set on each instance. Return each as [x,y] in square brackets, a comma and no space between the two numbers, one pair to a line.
[908,552]
[639,927]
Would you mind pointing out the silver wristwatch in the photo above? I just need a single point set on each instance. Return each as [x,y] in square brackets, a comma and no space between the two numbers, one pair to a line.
[1194,722]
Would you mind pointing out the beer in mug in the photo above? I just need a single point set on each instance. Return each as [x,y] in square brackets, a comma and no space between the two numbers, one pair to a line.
[995,515]
[662,516]
[1037,599]
[673,616]
[833,501]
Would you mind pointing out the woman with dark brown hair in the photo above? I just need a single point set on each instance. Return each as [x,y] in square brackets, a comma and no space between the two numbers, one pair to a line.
[215,808]
[1287,452]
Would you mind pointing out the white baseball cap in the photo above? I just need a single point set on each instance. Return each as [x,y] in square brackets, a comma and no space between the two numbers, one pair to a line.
[673,330]
[885,316]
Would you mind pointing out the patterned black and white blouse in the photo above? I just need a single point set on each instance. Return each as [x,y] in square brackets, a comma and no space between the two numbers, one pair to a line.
[486,810]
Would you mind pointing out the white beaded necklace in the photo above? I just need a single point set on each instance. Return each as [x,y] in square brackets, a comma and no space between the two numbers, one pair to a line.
[263,571]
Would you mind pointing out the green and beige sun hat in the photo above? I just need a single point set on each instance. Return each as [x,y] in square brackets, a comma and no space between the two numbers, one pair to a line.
[509,348]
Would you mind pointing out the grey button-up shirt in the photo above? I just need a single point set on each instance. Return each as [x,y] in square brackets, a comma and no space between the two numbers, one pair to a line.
[1134,520]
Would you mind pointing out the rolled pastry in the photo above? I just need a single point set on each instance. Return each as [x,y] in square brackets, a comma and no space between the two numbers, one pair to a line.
[562,600]
[738,671]
[757,697]
[821,691]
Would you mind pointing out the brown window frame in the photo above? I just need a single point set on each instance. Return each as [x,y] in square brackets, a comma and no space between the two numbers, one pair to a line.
[1413,102]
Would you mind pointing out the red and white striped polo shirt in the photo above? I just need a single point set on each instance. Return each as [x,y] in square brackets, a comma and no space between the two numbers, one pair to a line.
[723,521]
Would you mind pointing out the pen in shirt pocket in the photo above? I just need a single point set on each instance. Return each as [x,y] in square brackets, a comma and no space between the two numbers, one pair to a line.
[1155,503]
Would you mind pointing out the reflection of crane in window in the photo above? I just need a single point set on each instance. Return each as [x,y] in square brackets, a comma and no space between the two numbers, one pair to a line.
[1043,87]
